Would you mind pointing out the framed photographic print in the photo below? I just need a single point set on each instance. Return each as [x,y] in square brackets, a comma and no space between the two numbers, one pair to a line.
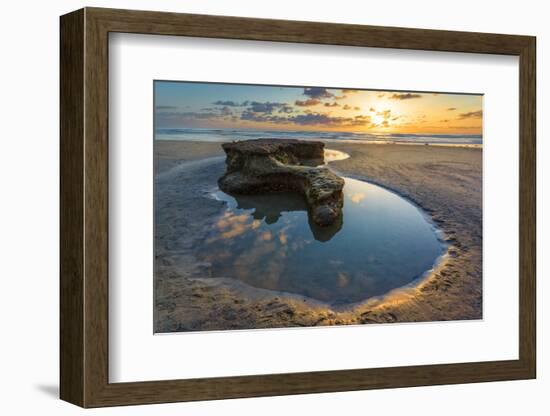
[256,207]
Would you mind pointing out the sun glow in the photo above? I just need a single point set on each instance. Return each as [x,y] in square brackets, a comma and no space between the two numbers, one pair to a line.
[236,106]
[377,119]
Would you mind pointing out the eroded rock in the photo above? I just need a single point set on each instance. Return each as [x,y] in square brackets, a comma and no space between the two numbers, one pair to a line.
[278,165]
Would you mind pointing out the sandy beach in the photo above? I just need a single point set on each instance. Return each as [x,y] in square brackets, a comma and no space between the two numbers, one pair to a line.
[444,181]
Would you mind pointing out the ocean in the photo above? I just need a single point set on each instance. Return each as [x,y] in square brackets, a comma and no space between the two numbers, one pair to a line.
[228,135]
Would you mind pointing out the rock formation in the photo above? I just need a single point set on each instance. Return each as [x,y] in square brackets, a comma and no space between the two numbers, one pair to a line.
[275,165]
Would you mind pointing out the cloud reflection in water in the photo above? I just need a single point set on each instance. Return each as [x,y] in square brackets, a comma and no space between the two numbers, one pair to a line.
[381,242]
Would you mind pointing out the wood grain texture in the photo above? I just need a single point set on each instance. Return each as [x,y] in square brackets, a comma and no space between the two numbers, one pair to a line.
[225,27]
[527,207]
[71,213]
[84,207]
[96,208]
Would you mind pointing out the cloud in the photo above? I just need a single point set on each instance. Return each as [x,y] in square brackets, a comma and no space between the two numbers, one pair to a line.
[230,103]
[471,114]
[372,110]
[332,105]
[256,106]
[340,97]
[252,116]
[208,113]
[308,119]
[404,96]
[166,107]
[188,115]
[362,120]
[312,119]
[286,109]
[451,109]
[386,114]
[324,119]
[349,107]
[225,111]
[307,103]
[317,93]
[264,117]
[445,120]
[267,107]
[345,91]
[203,116]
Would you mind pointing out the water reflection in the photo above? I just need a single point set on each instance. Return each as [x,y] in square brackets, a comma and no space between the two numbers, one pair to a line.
[332,155]
[268,241]
[269,208]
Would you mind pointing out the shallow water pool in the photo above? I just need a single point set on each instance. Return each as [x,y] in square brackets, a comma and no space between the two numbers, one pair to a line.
[268,241]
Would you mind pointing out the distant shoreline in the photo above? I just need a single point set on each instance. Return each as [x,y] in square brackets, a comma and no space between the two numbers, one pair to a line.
[328,140]
[228,135]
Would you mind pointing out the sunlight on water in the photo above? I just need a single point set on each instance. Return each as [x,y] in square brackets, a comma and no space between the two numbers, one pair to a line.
[268,241]
[227,135]
[332,155]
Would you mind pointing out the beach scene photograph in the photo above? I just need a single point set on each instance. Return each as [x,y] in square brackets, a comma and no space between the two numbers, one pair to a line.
[309,206]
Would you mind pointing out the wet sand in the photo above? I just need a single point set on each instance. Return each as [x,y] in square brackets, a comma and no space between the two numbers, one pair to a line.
[444,181]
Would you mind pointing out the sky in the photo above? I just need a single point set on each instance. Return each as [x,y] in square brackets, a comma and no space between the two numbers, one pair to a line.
[240,106]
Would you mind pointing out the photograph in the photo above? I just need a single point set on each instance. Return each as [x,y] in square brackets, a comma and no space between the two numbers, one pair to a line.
[304,206]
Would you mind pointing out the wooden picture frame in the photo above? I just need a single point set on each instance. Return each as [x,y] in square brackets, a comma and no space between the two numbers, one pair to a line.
[84,207]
